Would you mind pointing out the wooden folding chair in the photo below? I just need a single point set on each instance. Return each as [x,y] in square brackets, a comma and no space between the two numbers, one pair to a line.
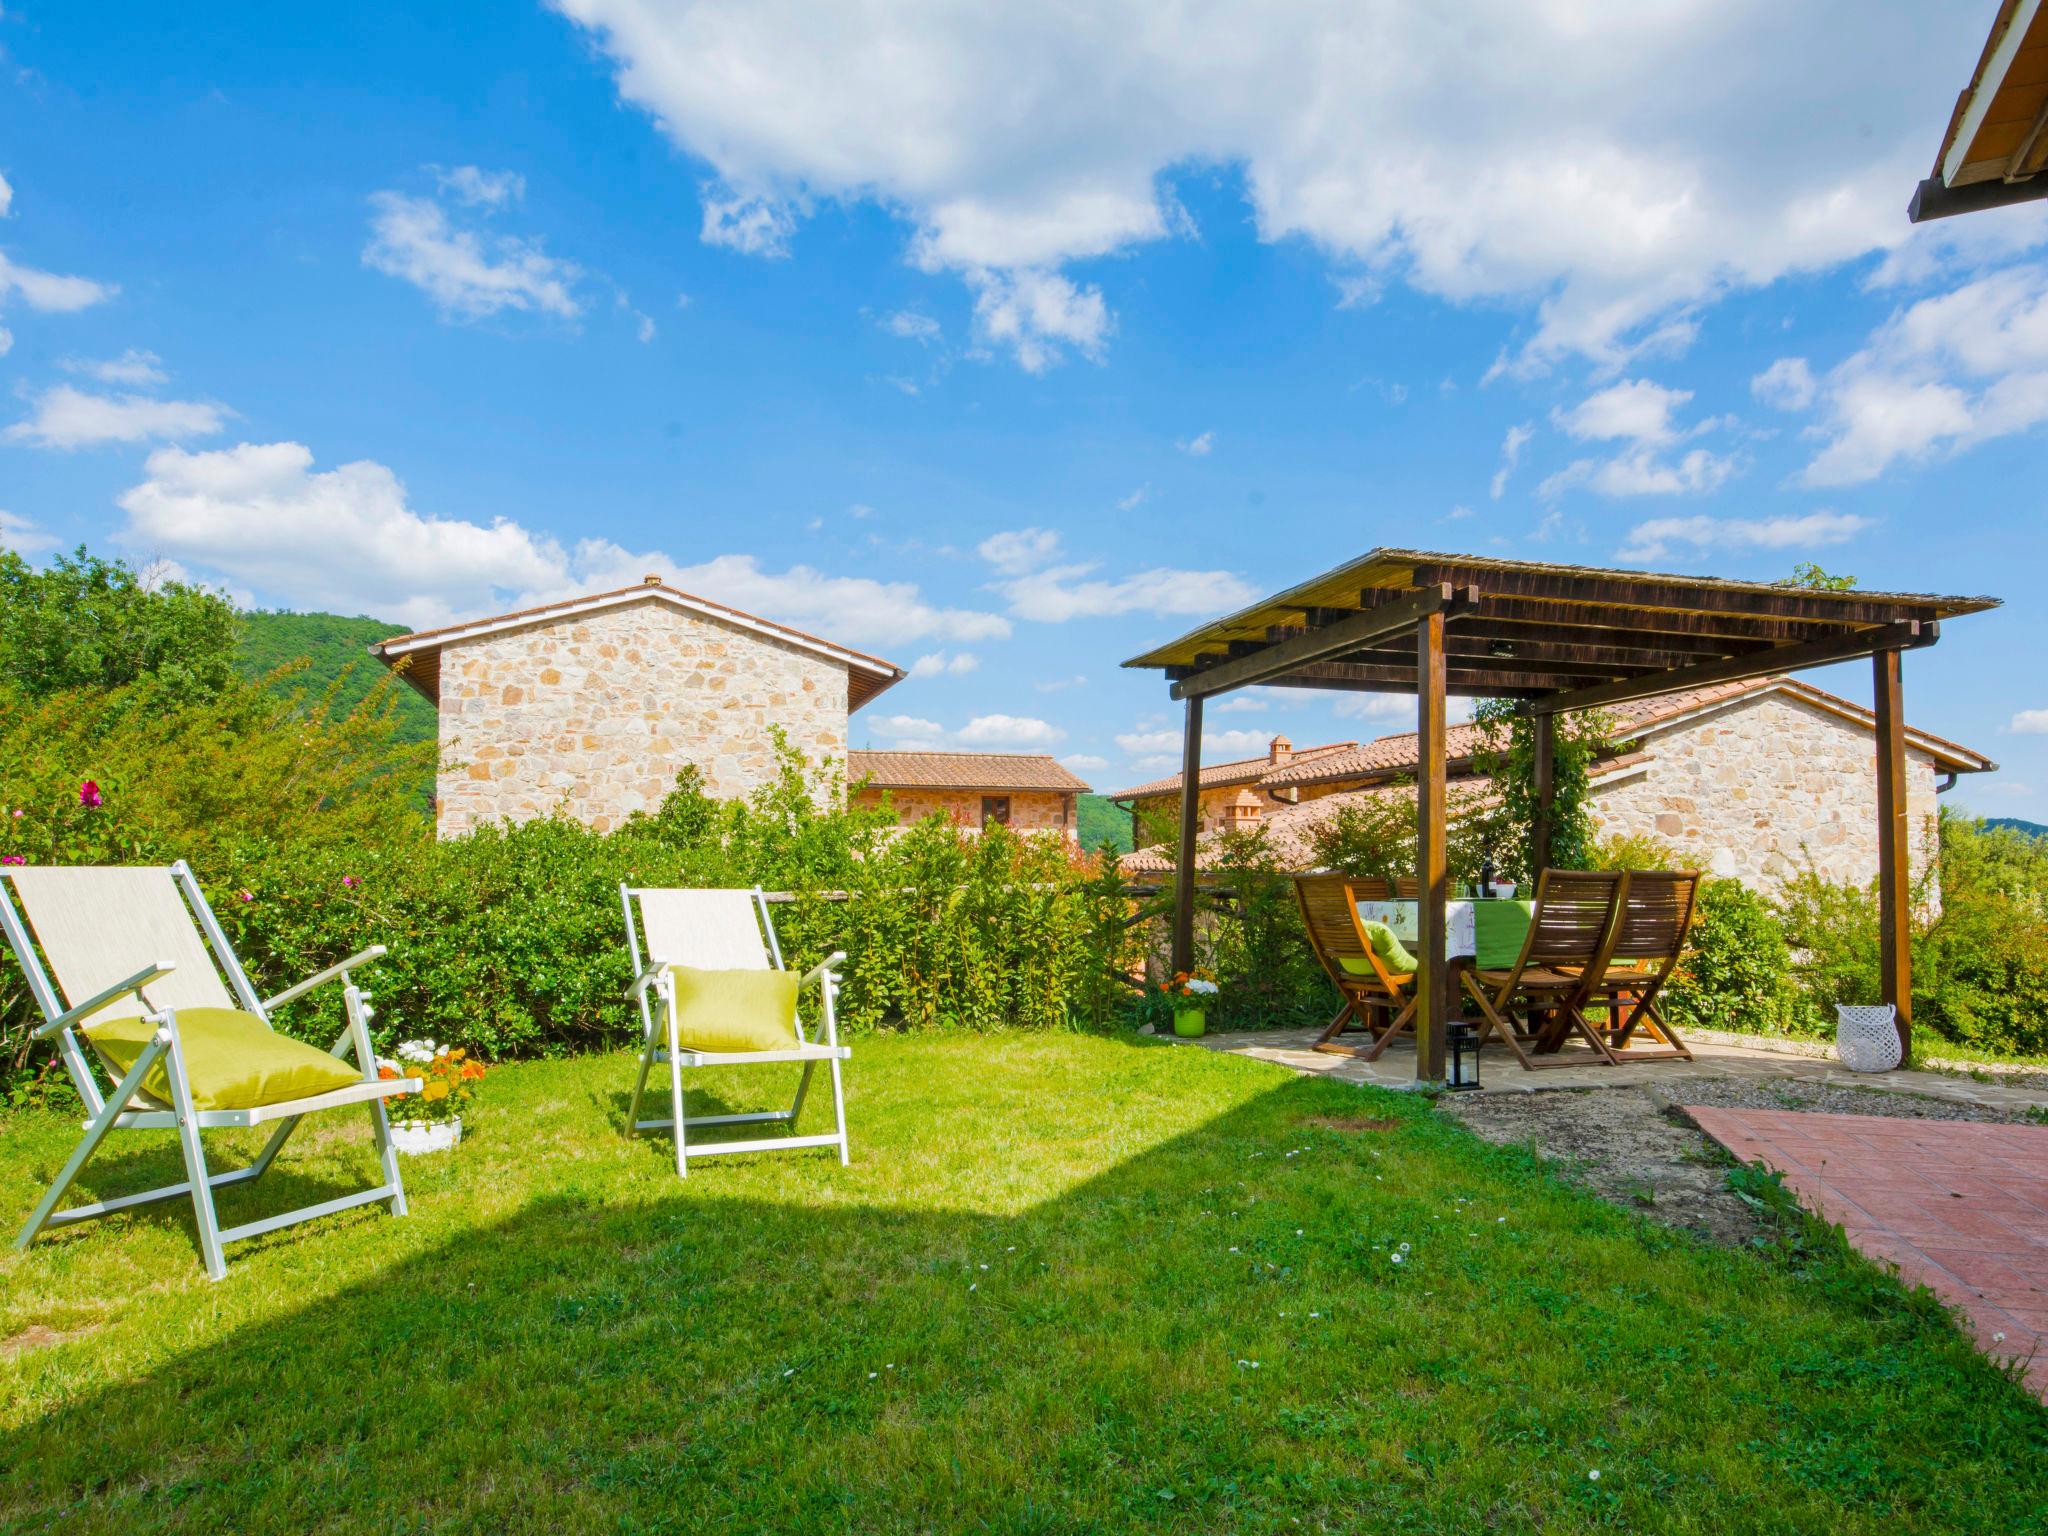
[1571,934]
[721,930]
[1655,915]
[1329,910]
[142,942]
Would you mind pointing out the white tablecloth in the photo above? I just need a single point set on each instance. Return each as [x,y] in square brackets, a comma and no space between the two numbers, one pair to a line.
[1461,939]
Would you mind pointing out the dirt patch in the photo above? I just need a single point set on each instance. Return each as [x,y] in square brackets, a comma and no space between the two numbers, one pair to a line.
[1351,1123]
[1634,1146]
[36,1336]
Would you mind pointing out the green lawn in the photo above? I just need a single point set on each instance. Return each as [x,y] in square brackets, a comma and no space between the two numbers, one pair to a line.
[1069,1284]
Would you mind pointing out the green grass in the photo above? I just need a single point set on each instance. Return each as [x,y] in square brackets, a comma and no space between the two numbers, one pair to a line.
[1033,1304]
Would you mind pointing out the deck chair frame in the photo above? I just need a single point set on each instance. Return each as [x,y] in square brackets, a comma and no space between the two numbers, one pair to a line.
[654,990]
[1548,981]
[1382,989]
[1653,914]
[128,1109]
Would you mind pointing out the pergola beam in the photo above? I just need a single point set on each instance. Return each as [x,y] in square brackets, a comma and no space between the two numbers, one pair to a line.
[1360,629]
[1908,635]
[1683,597]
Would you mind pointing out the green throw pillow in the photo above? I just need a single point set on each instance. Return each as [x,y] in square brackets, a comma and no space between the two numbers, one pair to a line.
[233,1060]
[1393,954]
[735,1010]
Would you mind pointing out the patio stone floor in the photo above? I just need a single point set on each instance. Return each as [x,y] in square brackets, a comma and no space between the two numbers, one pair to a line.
[1959,1207]
[1712,1058]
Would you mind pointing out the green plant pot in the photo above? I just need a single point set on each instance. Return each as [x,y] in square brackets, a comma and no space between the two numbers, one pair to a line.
[1190,1023]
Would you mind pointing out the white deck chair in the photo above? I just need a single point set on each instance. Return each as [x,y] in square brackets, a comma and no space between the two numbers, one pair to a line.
[116,933]
[720,931]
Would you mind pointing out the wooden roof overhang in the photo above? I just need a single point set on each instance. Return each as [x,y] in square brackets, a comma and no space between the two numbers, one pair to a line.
[1995,150]
[1558,637]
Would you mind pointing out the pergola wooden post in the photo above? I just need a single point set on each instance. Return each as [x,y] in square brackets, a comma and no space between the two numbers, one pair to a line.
[1894,895]
[1190,823]
[1556,639]
[1543,728]
[1434,995]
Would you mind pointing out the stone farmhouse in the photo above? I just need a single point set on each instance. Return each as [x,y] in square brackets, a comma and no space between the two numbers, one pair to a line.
[592,707]
[1748,779]
[1028,792]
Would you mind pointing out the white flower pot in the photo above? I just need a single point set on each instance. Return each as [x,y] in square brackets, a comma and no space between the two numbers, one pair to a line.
[412,1137]
[1867,1037]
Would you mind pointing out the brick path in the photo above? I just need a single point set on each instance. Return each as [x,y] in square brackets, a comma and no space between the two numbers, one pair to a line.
[1959,1207]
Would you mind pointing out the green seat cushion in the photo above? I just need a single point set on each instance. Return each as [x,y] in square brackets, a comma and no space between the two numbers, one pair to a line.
[233,1060]
[735,1010]
[1393,954]
[1499,929]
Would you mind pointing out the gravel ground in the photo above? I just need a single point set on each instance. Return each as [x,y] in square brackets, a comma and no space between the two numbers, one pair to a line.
[1634,1147]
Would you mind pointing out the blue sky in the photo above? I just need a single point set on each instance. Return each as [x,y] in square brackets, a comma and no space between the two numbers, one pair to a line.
[1004,344]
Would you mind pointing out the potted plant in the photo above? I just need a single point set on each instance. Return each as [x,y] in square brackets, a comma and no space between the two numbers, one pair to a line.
[430,1120]
[1189,990]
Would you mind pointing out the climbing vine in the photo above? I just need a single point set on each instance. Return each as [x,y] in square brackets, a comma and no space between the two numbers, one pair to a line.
[1507,755]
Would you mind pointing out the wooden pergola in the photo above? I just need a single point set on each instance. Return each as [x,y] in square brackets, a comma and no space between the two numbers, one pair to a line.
[1557,638]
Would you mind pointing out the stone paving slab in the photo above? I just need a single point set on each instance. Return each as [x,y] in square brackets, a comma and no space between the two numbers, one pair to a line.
[1499,1073]
[1959,1207]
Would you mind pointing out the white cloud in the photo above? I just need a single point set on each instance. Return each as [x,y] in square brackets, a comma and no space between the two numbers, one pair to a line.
[135,367]
[1656,539]
[1017,550]
[942,664]
[1132,502]
[6,197]
[1059,684]
[753,226]
[2030,722]
[1198,447]
[1511,447]
[23,536]
[1641,414]
[1217,745]
[1062,592]
[349,541]
[1946,373]
[476,188]
[1085,762]
[1609,180]
[1635,409]
[982,733]
[1038,315]
[1246,703]
[469,274]
[51,291]
[1641,472]
[1009,731]
[65,417]
[911,326]
[1787,385]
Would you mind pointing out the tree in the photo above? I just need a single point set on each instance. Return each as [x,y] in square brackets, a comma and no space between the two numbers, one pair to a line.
[1810,576]
[85,622]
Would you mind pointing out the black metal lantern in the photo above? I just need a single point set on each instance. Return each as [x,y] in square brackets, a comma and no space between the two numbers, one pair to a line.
[1462,1063]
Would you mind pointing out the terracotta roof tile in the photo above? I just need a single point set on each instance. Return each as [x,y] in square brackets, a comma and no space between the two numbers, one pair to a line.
[961,770]
[1248,770]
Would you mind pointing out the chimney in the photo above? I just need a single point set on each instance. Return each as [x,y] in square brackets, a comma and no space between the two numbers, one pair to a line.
[650,580]
[1280,752]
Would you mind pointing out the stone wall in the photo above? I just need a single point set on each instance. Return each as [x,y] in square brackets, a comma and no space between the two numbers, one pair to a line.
[1030,810]
[1752,790]
[598,713]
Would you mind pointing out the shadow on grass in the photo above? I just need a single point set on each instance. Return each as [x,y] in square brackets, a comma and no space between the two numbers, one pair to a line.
[1211,1334]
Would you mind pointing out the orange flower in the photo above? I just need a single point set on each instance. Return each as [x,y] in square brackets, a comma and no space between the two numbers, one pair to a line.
[386,1073]
[472,1070]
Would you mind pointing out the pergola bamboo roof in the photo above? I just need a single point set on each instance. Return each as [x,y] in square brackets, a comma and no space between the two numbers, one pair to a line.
[1558,636]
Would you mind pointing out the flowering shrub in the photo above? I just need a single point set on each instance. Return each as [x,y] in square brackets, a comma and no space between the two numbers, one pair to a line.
[448,1076]
[1193,986]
